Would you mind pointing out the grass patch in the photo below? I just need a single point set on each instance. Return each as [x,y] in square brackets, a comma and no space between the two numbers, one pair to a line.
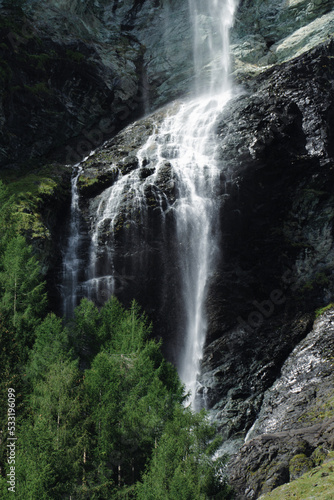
[317,484]
[321,411]
[320,311]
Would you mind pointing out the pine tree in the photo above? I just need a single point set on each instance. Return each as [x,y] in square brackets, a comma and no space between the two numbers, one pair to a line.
[132,392]
[23,299]
[182,467]
[50,450]
[7,225]
[51,346]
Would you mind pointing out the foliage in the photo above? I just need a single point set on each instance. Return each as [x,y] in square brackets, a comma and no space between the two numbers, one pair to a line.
[110,423]
[182,466]
[22,294]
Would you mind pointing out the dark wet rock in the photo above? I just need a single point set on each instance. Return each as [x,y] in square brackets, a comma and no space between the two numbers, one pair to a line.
[116,157]
[96,179]
[277,219]
[276,157]
[277,244]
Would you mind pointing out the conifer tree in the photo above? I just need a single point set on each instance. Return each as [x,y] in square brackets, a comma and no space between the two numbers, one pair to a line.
[182,467]
[23,299]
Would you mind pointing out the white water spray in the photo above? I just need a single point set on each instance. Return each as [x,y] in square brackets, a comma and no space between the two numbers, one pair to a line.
[197,214]
[71,261]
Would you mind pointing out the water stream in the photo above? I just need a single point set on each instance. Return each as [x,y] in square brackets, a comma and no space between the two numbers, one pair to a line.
[71,261]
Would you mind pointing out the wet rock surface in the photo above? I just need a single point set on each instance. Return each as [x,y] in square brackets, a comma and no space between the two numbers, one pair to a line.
[277,201]
[295,427]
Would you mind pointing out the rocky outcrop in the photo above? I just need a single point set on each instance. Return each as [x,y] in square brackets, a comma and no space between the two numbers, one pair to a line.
[277,224]
[59,98]
[74,73]
[295,428]
[276,160]
[143,238]
[268,33]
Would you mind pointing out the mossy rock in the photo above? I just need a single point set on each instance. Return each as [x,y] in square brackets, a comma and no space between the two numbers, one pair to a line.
[317,483]
[35,195]
[91,183]
[319,455]
[298,465]
[320,311]
[128,164]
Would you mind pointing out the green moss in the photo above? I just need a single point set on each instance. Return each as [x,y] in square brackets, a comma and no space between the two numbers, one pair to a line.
[319,455]
[299,464]
[75,56]
[321,410]
[39,88]
[92,181]
[313,192]
[317,484]
[103,156]
[31,191]
[86,182]
[39,60]
[320,311]
[307,287]
[320,280]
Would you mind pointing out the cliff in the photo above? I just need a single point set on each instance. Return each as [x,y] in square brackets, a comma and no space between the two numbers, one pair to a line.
[75,73]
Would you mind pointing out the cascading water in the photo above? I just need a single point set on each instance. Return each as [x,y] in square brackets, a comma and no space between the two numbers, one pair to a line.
[185,142]
[198,208]
[71,262]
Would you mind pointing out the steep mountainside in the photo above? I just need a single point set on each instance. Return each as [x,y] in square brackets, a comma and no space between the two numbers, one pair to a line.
[73,73]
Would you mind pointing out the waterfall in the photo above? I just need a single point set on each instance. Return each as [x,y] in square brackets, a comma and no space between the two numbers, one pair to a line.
[71,261]
[184,142]
[198,171]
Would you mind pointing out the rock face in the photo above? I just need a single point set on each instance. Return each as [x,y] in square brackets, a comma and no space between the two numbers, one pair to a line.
[277,244]
[277,222]
[267,32]
[143,241]
[295,427]
[74,73]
